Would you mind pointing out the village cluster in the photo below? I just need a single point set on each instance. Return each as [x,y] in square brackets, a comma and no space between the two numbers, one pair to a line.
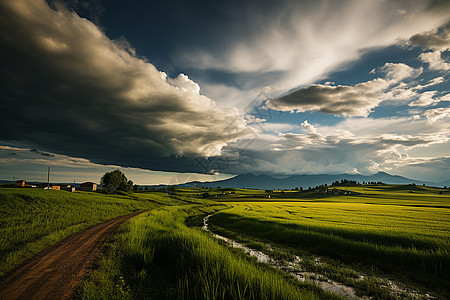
[85,186]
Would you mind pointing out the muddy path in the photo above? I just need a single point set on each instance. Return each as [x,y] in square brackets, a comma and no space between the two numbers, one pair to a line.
[55,272]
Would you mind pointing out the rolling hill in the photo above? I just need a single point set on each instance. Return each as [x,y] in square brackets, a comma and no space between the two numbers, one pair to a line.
[267,182]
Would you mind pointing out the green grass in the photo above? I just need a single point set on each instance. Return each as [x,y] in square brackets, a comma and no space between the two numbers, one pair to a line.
[156,256]
[221,193]
[33,219]
[330,269]
[162,253]
[381,229]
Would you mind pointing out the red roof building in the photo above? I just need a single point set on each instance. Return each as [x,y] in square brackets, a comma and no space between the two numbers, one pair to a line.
[88,186]
[20,183]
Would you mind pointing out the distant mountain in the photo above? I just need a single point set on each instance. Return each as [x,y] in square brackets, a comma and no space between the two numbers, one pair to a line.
[444,183]
[305,181]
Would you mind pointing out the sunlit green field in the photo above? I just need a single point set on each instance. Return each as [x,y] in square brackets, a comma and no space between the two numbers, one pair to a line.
[392,231]
[156,256]
[32,219]
[392,225]
[399,229]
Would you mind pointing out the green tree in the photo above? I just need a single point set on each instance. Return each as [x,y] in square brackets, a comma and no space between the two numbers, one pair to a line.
[115,181]
[173,190]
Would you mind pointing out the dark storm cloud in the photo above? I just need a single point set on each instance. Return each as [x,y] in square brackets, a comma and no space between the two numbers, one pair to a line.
[355,100]
[361,98]
[438,39]
[69,89]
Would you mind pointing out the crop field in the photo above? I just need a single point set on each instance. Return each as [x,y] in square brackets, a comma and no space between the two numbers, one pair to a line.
[401,231]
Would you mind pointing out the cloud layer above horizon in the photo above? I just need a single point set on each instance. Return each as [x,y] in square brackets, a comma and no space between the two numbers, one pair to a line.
[297,87]
[282,46]
[70,89]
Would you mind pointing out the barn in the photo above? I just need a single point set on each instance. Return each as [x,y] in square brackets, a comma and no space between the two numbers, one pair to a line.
[88,186]
[20,183]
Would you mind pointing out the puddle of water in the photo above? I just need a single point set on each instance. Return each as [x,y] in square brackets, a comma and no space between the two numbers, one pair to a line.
[260,256]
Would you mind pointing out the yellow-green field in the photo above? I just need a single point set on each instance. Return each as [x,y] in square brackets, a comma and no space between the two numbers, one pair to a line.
[405,226]
[396,229]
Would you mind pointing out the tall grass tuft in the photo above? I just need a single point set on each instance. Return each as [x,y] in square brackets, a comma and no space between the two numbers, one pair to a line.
[162,258]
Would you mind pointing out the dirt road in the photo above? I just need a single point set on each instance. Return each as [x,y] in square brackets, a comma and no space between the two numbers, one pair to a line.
[55,272]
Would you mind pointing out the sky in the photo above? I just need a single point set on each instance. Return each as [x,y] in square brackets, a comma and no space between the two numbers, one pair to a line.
[175,91]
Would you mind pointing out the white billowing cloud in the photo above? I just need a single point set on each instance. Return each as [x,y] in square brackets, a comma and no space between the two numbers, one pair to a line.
[385,140]
[299,141]
[183,83]
[401,92]
[375,127]
[437,113]
[308,127]
[84,80]
[426,99]
[408,92]
[252,119]
[399,71]
[434,81]
[446,97]
[435,61]
[341,148]
[303,41]
[412,93]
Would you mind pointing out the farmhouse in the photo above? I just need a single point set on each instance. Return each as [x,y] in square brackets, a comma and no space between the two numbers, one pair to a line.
[68,188]
[20,183]
[88,186]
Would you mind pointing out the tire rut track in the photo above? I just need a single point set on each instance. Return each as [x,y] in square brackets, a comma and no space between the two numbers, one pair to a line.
[55,272]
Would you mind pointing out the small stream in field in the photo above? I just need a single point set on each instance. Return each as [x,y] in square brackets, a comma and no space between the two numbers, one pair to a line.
[296,269]
[293,268]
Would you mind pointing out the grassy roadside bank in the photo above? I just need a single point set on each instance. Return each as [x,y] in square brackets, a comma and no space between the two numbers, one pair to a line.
[156,256]
[33,219]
